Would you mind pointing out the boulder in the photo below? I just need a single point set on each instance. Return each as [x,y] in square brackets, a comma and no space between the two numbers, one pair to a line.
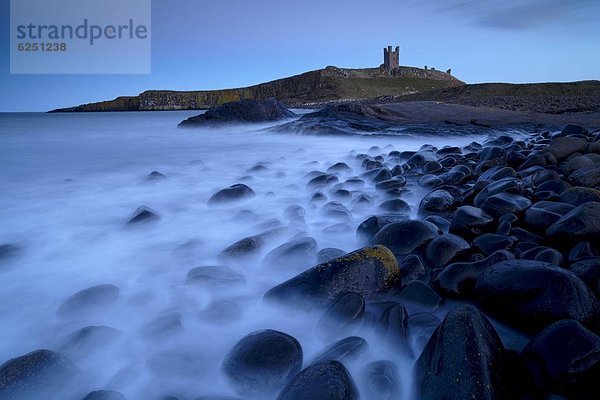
[341,315]
[394,206]
[564,358]
[381,380]
[586,176]
[469,222]
[489,243]
[444,248]
[296,253]
[412,268]
[262,362]
[367,272]
[88,340]
[562,147]
[90,300]
[462,360]
[589,272]
[325,380]
[578,195]
[405,236]
[368,228]
[393,327]
[329,254]
[581,223]
[418,295]
[437,202]
[232,194]
[214,277]
[343,350]
[503,203]
[41,374]
[242,111]
[573,130]
[143,214]
[531,294]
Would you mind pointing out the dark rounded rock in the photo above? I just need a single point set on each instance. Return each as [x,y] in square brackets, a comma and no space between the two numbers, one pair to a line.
[489,243]
[90,300]
[381,380]
[532,294]
[430,181]
[321,181]
[341,315]
[263,362]
[88,340]
[241,111]
[562,147]
[328,254]
[234,193]
[453,178]
[336,210]
[503,203]
[216,277]
[394,206]
[589,272]
[412,268]
[382,174]
[469,222]
[577,196]
[246,247]
[507,185]
[542,214]
[300,252]
[326,380]
[442,223]
[573,130]
[339,167]
[343,350]
[564,358]
[367,229]
[442,249]
[405,236]
[580,251]
[437,202]
[432,167]
[105,395]
[581,223]
[393,327]
[367,272]
[574,163]
[491,153]
[155,176]
[396,184]
[143,214]
[464,354]
[39,374]
[294,211]
[556,186]
[586,176]
[418,295]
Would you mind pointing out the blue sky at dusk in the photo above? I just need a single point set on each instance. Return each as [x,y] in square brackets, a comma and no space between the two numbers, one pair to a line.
[202,44]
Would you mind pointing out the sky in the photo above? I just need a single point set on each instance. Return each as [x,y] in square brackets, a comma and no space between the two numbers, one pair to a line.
[213,44]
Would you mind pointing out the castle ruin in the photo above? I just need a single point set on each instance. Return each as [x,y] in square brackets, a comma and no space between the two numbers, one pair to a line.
[391,59]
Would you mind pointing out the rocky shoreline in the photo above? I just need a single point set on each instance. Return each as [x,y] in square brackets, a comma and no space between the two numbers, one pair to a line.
[508,233]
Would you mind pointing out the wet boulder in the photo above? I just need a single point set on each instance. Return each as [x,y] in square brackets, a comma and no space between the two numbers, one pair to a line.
[586,176]
[532,294]
[241,111]
[412,268]
[328,254]
[564,358]
[300,252]
[41,374]
[340,317]
[489,243]
[562,147]
[394,206]
[588,271]
[367,272]
[105,395]
[437,202]
[90,300]
[143,214]
[262,362]
[542,214]
[442,249]
[503,203]
[337,211]
[214,277]
[405,236]
[343,350]
[325,380]
[322,181]
[367,229]
[155,176]
[381,380]
[571,130]
[417,295]
[469,222]
[393,327]
[581,223]
[232,194]
[462,360]
[578,195]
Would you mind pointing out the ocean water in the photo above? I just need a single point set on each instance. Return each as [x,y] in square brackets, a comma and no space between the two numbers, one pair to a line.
[70,183]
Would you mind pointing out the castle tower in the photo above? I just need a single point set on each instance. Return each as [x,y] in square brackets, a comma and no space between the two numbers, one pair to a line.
[391,58]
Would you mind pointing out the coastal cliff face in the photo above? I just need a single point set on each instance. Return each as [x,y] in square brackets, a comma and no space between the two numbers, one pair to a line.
[314,87]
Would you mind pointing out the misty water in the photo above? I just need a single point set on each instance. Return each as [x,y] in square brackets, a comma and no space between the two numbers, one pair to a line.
[71,182]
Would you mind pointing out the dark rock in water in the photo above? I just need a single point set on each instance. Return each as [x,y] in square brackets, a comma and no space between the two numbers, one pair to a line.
[393,327]
[442,223]
[394,206]
[242,111]
[105,395]
[88,340]
[532,294]
[417,294]
[341,315]
[328,254]
[545,254]
[442,249]
[489,243]
[422,326]
[462,360]
[325,380]
[432,167]
[367,229]
[437,202]
[221,312]
[573,130]
[564,358]
[143,214]
[93,299]
[503,203]
[296,253]
[41,374]
[582,223]
[163,326]
[469,222]
[506,185]
[405,236]
[430,181]
[215,277]
[577,196]
[367,272]
[580,251]
[322,181]
[589,272]
[381,380]
[339,167]
[555,186]
[542,214]
[155,176]
[586,176]
[343,350]
[294,211]
[8,251]
[263,362]
[336,210]
[234,193]
[251,245]
[562,147]
[412,268]
[458,279]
